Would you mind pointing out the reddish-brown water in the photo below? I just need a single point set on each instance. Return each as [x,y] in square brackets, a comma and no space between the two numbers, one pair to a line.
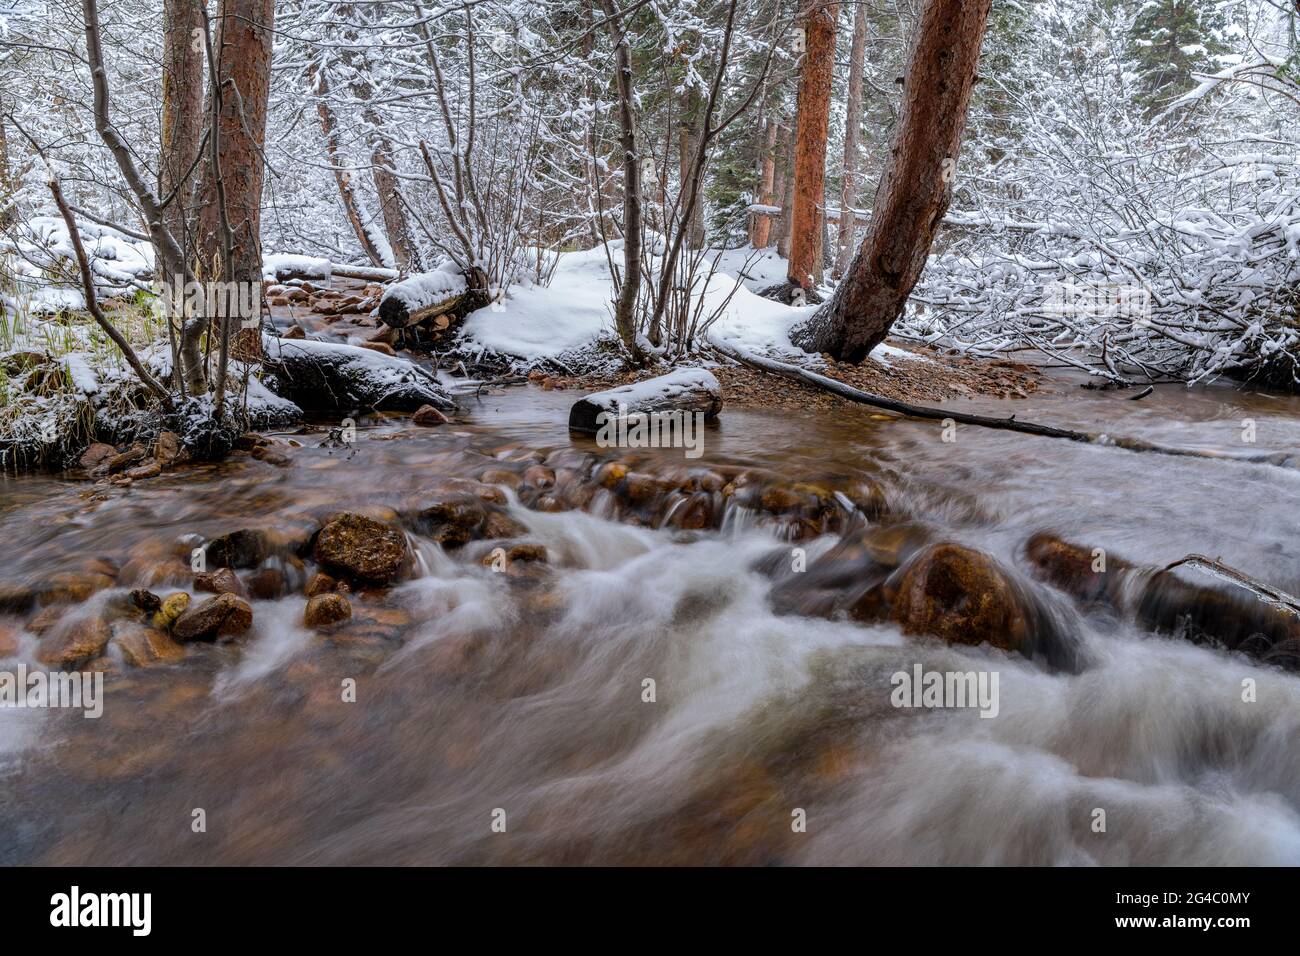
[484,697]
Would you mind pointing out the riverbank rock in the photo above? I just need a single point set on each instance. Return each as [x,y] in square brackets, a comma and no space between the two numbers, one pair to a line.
[363,548]
[72,642]
[429,417]
[326,609]
[221,581]
[221,616]
[326,377]
[245,548]
[687,391]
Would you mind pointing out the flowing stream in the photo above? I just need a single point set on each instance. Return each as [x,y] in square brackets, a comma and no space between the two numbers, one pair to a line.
[520,701]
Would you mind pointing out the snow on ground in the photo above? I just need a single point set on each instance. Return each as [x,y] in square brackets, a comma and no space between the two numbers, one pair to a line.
[537,322]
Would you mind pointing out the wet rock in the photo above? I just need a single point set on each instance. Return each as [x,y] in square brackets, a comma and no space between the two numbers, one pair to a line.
[363,548]
[75,641]
[267,584]
[429,417]
[221,616]
[146,600]
[500,476]
[454,520]
[498,524]
[539,476]
[326,609]
[150,469]
[293,331]
[271,456]
[221,581]
[173,606]
[960,596]
[73,587]
[1162,601]
[132,456]
[16,598]
[167,449]
[98,453]
[527,551]
[246,548]
[383,348]
[45,621]
[9,640]
[320,583]
[143,646]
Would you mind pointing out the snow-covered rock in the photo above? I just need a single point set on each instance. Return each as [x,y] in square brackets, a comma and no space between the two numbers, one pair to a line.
[683,390]
[330,377]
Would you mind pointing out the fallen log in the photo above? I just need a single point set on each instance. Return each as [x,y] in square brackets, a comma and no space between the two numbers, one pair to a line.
[283,267]
[798,374]
[687,390]
[426,297]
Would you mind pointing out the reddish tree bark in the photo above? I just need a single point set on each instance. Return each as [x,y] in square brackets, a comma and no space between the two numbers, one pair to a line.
[784,188]
[915,187]
[243,70]
[342,177]
[852,145]
[182,113]
[760,223]
[812,119]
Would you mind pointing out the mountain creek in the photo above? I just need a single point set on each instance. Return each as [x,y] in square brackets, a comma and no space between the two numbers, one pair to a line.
[493,641]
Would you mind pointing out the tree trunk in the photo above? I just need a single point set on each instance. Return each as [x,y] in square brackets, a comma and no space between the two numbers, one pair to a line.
[182,115]
[625,304]
[915,186]
[7,214]
[687,145]
[760,223]
[852,145]
[342,178]
[785,189]
[812,119]
[405,251]
[243,53]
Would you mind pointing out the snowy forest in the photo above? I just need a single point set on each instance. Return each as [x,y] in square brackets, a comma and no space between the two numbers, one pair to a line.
[755,349]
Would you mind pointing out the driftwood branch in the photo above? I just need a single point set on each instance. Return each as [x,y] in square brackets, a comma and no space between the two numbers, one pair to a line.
[92,304]
[1265,592]
[798,374]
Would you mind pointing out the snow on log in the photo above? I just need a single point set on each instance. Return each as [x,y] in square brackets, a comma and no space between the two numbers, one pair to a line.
[281,266]
[329,377]
[421,297]
[685,390]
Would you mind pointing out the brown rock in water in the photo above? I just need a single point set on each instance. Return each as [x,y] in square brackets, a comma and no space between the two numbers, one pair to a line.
[150,469]
[498,524]
[45,621]
[539,476]
[133,455]
[143,646]
[326,609]
[173,606]
[527,551]
[1162,601]
[961,596]
[320,583]
[8,640]
[267,584]
[73,587]
[246,548]
[16,598]
[454,520]
[427,415]
[74,641]
[293,332]
[167,449]
[363,548]
[146,600]
[383,348]
[216,617]
[221,581]
[97,454]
